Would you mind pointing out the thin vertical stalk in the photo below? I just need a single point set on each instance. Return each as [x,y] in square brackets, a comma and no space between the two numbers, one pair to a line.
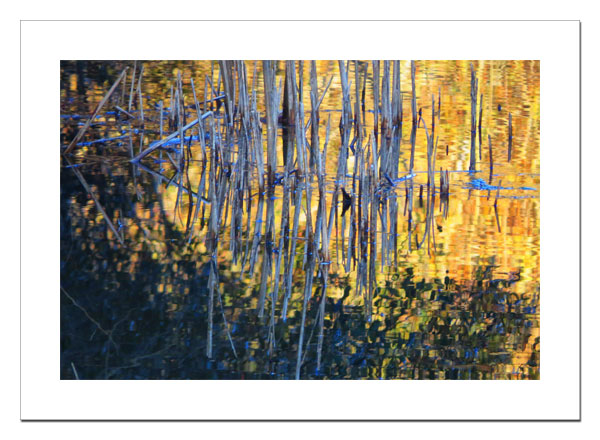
[510,136]
[473,161]
[480,117]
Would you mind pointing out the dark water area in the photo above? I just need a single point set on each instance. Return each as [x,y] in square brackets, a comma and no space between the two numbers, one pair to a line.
[191,263]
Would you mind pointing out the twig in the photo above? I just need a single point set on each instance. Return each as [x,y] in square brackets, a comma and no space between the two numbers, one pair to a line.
[77,138]
[74,371]
[76,304]
[168,138]
[97,202]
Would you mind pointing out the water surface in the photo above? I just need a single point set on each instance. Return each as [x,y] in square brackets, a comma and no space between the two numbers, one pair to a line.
[457,300]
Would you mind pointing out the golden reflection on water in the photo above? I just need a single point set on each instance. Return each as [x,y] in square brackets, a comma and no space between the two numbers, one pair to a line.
[467,240]
[470,234]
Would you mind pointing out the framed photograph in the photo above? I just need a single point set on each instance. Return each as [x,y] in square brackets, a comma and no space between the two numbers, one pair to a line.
[349,224]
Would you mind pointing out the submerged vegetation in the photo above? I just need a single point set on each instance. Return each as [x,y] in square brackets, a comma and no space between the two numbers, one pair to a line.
[257,220]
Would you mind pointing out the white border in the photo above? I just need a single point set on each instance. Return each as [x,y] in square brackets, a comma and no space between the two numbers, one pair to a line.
[555,396]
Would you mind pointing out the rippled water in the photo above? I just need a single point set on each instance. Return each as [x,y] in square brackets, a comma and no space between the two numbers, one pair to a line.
[465,305]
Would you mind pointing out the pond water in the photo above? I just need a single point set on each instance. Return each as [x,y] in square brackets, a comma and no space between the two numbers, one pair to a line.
[216,257]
